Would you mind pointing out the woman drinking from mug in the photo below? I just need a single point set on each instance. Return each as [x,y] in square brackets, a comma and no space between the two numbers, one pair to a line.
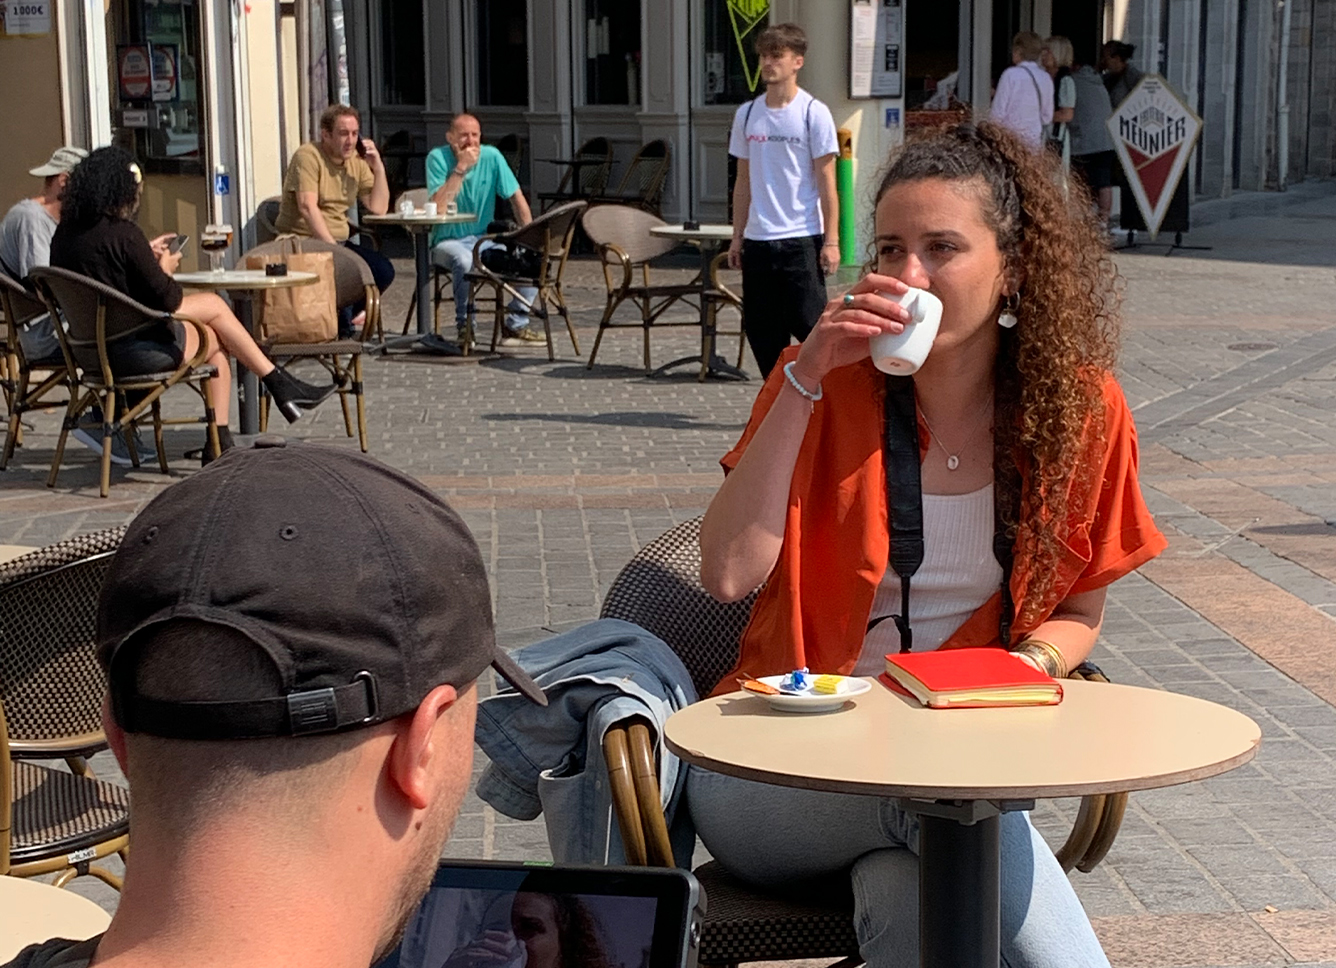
[1024,444]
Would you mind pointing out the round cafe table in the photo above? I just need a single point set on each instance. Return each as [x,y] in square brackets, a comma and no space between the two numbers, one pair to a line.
[419,225]
[958,769]
[707,238]
[32,912]
[241,283]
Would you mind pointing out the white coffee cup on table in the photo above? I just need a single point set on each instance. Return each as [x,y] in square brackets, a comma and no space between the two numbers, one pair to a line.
[901,354]
[429,209]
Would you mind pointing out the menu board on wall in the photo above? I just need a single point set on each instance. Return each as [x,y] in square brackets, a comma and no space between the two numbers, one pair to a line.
[876,48]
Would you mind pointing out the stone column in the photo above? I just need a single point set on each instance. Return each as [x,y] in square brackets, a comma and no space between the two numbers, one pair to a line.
[549,115]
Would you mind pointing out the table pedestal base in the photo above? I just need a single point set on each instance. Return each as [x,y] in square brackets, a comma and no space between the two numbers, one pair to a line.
[959,893]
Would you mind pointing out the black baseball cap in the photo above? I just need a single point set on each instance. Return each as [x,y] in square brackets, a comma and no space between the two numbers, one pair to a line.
[364,589]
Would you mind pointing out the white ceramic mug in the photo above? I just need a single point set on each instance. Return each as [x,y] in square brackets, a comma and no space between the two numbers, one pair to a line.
[901,354]
[429,209]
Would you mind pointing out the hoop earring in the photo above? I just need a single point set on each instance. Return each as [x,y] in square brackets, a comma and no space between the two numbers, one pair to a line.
[1007,318]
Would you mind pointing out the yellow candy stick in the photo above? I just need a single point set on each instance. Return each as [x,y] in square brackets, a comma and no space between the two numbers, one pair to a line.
[828,685]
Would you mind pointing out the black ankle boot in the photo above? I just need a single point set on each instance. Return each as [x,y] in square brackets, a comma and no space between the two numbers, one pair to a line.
[292,395]
[225,443]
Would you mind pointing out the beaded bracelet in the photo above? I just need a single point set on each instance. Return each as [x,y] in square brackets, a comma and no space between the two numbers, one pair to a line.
[806,394]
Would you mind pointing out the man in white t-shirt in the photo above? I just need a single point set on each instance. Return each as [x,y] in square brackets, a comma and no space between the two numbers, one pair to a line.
[785,213]
[1023,102]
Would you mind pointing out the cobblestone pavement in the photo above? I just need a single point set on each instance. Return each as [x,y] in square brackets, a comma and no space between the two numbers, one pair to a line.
[1229,359]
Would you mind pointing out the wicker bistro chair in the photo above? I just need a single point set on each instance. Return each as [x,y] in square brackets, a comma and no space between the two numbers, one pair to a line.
[94,315]
[720,296]
[660,590]
[266,217]
[550,235]
[51,689]
[353,282]
[621,237]
[27,384]
[643,183]
[583,181]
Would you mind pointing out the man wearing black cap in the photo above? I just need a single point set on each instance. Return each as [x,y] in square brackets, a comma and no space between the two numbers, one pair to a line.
[297,749]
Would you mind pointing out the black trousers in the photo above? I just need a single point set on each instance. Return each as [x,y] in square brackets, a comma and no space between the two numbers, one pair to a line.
[783,294]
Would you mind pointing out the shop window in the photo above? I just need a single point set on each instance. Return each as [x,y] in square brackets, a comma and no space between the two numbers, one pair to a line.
[612,52]
[503,53]
[933,55]
[732,71]
[402,69]
[158,94]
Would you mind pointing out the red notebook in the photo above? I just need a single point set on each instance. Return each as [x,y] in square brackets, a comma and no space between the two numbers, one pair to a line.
[953,678]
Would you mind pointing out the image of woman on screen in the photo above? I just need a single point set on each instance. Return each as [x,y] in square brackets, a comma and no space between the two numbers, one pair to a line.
[546,931]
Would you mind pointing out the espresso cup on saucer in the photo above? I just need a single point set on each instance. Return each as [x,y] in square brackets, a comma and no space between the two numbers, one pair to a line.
[429,209]
[901,354]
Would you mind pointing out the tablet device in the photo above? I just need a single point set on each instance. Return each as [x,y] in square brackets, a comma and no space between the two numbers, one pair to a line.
[480,914]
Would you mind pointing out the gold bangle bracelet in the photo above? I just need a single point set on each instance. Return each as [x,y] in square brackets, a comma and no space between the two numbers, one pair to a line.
[1048,655]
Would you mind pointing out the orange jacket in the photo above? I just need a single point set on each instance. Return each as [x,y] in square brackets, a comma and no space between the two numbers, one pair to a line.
[814,608]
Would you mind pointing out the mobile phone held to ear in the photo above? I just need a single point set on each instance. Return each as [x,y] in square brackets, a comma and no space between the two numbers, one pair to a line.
[178,243]
[361,148]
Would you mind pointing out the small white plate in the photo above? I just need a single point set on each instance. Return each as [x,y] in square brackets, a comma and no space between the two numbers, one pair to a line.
[810,701]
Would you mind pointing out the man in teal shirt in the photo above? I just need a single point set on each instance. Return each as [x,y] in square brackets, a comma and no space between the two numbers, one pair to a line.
[474,176]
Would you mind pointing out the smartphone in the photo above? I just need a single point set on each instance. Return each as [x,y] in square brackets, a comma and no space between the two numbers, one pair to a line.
[361,148]
[178,243]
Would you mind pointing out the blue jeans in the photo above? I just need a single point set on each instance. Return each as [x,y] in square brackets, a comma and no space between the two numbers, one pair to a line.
[772,836]
[457,256]
[382,270]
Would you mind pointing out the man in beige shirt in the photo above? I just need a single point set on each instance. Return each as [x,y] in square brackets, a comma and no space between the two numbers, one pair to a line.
[324,180]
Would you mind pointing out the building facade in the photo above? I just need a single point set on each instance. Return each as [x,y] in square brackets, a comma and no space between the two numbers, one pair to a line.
[201,87]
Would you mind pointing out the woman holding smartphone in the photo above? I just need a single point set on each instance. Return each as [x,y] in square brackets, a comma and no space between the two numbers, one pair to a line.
[98,238]
[1029,502]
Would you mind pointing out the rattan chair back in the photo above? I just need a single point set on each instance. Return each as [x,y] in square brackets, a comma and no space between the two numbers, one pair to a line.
[643,182]
[549,233]
[50,682]
[266,218]
[94,313]
[660,590]
[18,303]
[511,147]
[593,179]
[626,227]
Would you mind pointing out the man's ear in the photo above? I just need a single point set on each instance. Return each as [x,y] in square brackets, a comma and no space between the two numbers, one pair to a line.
[115,735]
[411,760]
[798,61]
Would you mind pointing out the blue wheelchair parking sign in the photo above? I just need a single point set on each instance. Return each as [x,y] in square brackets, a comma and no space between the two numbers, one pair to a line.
[222,184]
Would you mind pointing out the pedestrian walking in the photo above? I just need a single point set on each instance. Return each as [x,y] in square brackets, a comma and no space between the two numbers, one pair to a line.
[786,222]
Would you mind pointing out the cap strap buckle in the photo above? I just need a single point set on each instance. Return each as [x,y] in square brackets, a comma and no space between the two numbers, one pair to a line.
[318,710]
[313,711]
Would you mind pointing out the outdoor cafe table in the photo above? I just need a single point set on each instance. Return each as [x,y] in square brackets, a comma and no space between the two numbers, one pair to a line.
[958,768]
[31,911]
[243,282]
[708,238]
[419,226]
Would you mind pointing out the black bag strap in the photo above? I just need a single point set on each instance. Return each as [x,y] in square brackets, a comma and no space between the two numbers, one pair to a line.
[904,493]
[904,510]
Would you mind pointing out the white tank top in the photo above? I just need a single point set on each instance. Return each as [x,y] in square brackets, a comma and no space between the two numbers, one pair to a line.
[958,574]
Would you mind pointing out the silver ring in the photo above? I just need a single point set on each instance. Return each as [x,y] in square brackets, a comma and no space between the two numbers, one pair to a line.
[848,299]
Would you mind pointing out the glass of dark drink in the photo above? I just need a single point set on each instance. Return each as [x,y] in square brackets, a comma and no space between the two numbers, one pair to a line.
[215,240]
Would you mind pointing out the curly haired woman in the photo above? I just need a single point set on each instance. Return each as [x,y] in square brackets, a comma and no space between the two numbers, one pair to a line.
[98,238]
[1022,433]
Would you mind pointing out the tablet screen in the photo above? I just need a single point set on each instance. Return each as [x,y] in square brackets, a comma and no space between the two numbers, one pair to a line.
[513,916]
